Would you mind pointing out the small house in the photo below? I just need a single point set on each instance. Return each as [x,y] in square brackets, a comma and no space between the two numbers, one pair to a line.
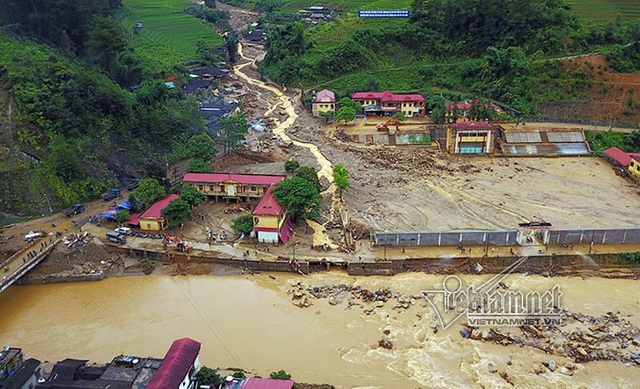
[470,138]
[323,101]
[179,366]
[152,219]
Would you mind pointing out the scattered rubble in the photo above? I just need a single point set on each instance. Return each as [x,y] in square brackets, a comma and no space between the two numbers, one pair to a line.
[353,295]
[581,338]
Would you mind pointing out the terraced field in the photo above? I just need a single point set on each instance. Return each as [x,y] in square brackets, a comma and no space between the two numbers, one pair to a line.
[602,11]
[168,35]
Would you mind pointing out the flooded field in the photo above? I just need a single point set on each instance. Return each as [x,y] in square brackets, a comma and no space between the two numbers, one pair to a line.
[250,322]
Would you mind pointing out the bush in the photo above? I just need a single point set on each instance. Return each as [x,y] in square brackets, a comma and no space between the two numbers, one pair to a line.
[280,375]
[291,165]
[147,266]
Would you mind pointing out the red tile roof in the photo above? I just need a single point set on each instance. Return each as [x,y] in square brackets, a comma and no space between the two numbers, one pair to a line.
[155,211]
[466,105]
[635,156]
[133,220]
[325,96]
[218,178]
[618,155]
[471,125]
[266,383]
[268,204]
[387,96]
[176,364]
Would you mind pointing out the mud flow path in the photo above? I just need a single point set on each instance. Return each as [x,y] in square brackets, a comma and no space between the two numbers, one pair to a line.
[326,169]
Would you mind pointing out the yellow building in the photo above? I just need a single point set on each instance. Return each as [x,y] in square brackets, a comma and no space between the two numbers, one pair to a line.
[151,219]
[470,138]
[634,166]
[269,219]
[323,101]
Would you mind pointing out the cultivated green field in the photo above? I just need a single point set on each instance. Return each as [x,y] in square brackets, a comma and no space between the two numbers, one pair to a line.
[602,11]
[169,35]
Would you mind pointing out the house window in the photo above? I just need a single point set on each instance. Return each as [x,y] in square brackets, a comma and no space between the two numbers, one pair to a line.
[200,187]
[256,221]
[253,188]
[221,188]
[632,164]
[211,188]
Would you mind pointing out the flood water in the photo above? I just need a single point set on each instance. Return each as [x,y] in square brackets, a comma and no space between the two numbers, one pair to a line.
[250,322]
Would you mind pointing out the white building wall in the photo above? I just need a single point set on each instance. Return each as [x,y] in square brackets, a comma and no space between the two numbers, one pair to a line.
[267,237]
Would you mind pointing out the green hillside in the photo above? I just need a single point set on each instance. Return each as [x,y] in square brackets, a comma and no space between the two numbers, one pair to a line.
[169,35]
[603,11]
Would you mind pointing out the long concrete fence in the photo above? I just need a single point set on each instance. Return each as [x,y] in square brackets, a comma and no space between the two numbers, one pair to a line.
[437,239]
[610,236]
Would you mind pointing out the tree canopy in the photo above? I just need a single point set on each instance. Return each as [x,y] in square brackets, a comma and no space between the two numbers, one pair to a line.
[346,113]
[310,174]
[298,196]
[149,191]
[191,195]
[243,224]
[197,165]
[177,212]
[341,177]
[201,147]
[231,130]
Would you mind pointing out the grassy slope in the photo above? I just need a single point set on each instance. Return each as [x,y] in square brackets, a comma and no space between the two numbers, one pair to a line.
[602,11]
[169,35]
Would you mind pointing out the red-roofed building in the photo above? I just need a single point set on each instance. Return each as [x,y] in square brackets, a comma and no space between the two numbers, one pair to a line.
[465,106]
[266,383]
[179,366]
[269,218]
[323,101]
[470,138]
[386,103]
[617,157]
[152,219]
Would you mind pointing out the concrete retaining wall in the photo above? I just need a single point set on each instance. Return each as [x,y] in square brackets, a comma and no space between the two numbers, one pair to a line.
[61,279]
[597,236]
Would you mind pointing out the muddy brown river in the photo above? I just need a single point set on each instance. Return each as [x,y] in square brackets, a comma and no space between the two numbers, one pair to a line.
[250,322]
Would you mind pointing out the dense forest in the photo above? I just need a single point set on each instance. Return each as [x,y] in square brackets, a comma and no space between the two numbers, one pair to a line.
[80,112]
[497,49]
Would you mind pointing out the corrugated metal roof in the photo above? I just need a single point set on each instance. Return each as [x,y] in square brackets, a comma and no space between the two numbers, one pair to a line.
[546,149]
[155,211]
[218,178]
[176,364]
[618,155]
[266,383]
[268,205]
[565,136]
[523,137]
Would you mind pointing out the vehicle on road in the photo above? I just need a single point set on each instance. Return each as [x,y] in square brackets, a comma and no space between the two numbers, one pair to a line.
[111,194]
[73,211]
[124,230]
[116,237]
[133,184]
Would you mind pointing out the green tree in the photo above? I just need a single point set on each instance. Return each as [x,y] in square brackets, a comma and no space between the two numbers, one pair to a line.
[177,212]
[136,205]
[439,114]
[346,113]
[243,224]
[341,177]
[231,131]
[299,197]
[291,165]
[210,4]
[149,191]
[123,216]
[209,376]
[280,375]
[399,116]
[191,195]
[310,174]
[328,116]
[371,85]
[196,165]
[201,147]
[348,102]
